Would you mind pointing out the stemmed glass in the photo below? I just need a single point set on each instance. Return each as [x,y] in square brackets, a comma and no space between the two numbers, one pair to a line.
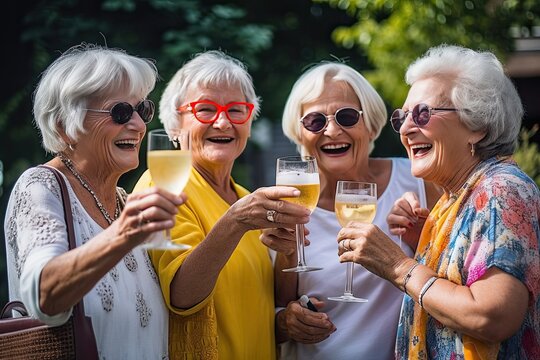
[355,201]
[169,162]
[300,172]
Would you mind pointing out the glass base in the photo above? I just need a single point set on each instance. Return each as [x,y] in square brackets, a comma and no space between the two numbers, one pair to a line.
[348,298]
[166,245]
[304,268]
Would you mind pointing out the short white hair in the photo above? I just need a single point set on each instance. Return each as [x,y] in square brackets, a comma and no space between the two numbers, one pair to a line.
[83,73]
[312,84]
[480,87]
[206,69]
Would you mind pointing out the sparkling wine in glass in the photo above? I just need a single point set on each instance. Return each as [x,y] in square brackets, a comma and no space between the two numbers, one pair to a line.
[169,162]
[300,172]
[355,201]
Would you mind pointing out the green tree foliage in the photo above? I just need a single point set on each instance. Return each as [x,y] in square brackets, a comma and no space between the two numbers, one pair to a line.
[527,154]
[276,39]
[393,33]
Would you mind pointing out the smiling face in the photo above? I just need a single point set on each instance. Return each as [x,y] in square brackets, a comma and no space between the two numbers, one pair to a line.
[218,144]
[440,150]
[106,145]
[337,150]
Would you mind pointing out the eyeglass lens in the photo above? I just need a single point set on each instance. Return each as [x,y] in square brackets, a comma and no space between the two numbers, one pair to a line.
[208,112]
[122,112]
[316,122]
[420,115]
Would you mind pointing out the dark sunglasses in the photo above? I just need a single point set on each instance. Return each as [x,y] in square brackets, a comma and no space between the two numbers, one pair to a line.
[421,113]
[344,117]
[122,112]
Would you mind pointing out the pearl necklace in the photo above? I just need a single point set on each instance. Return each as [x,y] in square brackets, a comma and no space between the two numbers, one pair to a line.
[69,164]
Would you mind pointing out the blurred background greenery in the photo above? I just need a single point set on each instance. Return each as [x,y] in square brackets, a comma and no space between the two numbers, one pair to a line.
[277,40]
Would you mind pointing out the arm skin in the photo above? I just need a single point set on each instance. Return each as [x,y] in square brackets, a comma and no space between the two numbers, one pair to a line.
[197,276]
[471,310]
[66,278]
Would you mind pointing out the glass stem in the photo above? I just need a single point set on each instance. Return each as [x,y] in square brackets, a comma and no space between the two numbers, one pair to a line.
[349,277]
[300,245]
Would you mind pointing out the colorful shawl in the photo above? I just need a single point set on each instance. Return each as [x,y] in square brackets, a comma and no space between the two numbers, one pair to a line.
[433,243]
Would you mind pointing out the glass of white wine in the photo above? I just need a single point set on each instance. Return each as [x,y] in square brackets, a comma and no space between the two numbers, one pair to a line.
[169,162]
[300,172]
[355,201]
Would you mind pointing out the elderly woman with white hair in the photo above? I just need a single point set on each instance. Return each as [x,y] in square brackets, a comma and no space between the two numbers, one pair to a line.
[335,115]
[91,109]
[221,291]
[473,286]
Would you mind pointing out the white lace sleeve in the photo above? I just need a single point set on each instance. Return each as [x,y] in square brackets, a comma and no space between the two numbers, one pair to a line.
[35,233]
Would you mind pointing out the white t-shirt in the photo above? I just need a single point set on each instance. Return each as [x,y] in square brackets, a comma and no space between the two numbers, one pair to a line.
[364,330]
[128,313]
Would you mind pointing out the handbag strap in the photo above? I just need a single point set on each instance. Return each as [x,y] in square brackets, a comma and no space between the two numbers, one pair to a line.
[15,306]
[78,309]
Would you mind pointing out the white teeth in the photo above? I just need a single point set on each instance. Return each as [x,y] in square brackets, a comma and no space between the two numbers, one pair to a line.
[221,138]
[127,142]
[332,147]
[421,146]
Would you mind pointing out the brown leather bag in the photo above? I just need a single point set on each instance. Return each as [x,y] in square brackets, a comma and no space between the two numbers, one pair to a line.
[27,338]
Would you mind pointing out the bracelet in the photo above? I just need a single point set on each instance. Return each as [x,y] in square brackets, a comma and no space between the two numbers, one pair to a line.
[425,288]
[408,276]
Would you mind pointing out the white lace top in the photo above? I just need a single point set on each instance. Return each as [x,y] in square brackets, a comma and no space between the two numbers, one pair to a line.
[128,314]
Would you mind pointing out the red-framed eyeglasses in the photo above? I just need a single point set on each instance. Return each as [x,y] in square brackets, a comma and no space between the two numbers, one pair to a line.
[208,111]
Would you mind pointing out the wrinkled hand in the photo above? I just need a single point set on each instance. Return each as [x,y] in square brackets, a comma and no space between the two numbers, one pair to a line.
[145,213]
[282,240]
[252,211]
[306,326]
[406,218]
[370,247]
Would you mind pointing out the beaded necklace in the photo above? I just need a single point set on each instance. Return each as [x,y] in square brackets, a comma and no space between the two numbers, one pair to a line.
[69,164]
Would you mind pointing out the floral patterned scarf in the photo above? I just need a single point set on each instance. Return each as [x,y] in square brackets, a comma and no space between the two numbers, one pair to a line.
[432,247]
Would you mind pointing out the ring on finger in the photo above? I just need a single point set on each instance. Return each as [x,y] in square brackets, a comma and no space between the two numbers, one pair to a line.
[347,246]
[142,219]
[270,215]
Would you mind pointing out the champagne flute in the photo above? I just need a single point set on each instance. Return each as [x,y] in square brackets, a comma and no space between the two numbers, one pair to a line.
[355,201]
[300,172]
[169,162]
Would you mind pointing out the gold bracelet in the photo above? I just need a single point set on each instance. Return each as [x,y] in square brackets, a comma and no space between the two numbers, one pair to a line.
[425,288]
[408,276]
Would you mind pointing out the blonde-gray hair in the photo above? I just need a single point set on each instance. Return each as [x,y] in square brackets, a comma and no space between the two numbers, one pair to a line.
[312,84]
[82,73]
[480,87]
[205,69]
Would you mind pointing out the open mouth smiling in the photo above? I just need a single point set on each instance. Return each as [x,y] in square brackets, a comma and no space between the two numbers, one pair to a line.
[335,148]
[221,140]
[127,144]
[421,149]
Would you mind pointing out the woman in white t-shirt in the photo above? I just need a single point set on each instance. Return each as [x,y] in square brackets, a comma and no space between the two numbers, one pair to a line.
[335,115]
[91,109]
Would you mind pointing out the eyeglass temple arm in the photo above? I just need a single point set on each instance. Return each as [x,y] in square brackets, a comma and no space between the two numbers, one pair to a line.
[96,110]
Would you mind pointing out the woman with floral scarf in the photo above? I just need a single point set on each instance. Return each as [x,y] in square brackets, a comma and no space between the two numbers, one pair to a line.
[473,287]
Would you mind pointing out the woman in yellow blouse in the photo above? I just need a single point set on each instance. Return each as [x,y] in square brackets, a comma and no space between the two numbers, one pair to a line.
[220,292]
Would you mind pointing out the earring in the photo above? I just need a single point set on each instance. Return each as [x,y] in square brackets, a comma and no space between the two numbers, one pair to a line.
[473,150]
[71,147]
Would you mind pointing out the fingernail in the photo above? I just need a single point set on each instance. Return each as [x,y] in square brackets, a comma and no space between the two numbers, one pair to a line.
[296,192]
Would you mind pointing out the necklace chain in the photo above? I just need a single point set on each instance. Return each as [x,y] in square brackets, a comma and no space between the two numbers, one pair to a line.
[69,164]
